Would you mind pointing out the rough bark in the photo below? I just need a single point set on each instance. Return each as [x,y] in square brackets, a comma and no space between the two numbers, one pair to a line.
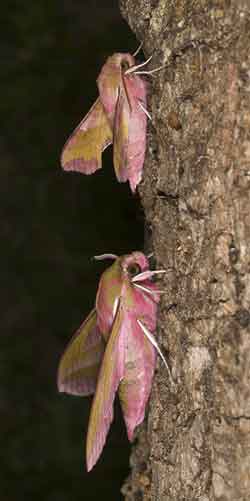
[196,196]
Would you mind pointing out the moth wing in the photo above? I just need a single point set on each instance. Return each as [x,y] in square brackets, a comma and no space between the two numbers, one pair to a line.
[121,136]
[83,150]
[136,89]
[134,390]
[111,373]
[130,130]
[79,366]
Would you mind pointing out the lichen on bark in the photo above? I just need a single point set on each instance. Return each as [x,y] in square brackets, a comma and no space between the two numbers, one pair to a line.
[196,197]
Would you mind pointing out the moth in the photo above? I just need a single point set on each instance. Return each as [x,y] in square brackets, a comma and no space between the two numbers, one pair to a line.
[114,349]
[118,116]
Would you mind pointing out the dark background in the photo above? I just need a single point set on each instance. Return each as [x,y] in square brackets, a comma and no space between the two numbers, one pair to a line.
[52,222]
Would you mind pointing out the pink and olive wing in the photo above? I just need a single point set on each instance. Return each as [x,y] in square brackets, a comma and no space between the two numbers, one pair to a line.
[107,298]
[79,366]
[121,137]
[136,94]
[83,150]
[111,373]
[134,390]
[109,82]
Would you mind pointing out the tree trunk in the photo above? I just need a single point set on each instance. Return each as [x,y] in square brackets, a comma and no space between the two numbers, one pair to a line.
[195,193]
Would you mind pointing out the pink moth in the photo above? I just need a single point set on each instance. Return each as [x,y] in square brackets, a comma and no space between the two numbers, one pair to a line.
[114,349]
[118,116]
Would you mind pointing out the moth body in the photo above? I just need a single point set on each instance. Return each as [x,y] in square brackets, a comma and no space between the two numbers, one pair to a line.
[118,116]
[113,350]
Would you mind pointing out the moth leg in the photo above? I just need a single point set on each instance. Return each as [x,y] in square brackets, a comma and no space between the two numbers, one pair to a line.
[150,72]
[144,110]
[175,53]
[149,291]
[146,274]
[132,69]
[153,341]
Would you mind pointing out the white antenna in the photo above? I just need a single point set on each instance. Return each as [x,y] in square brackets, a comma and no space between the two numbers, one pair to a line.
[105,256]
[138,50]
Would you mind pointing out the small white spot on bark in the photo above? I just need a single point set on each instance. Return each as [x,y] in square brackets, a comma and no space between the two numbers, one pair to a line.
[246,146]
[198,358]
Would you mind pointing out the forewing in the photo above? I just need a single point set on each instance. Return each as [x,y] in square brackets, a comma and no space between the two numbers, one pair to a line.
[107,298]
[83,150]
[135,89]
[121,136]
[109,82]
[80,363]
[134,390]
[111,373]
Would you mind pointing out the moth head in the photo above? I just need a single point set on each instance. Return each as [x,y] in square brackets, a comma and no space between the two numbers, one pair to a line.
[124,65]
[127,61]
[134,263]
[121,61]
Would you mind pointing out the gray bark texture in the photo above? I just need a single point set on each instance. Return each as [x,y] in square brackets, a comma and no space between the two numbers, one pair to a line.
[195,444]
